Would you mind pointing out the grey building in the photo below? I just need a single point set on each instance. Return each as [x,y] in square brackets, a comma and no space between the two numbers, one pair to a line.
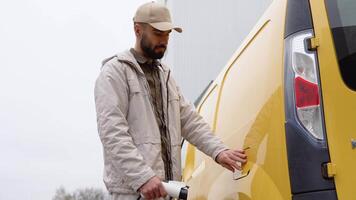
[212,31]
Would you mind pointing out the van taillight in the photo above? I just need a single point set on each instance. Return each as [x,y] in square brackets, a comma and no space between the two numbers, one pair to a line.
[306,93]
[306,84]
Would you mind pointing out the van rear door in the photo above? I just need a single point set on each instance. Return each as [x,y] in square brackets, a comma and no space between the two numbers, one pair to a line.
[335,33]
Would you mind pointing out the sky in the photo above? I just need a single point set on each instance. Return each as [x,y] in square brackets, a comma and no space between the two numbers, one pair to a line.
[50,55]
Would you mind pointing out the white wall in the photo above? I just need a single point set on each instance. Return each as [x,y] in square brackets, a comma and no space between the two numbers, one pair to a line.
[212,31]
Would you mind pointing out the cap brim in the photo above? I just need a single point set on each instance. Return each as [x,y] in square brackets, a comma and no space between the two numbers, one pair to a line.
[165,26]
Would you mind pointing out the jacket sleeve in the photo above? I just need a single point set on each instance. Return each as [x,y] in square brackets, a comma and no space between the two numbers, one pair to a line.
[196,131]
[111,99]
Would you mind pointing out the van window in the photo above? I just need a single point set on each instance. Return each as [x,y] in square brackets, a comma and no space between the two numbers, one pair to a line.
[342,19]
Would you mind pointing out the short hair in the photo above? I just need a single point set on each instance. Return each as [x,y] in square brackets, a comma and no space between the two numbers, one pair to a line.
[144,25]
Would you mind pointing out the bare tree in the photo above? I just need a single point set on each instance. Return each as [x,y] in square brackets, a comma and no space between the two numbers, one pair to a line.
[90,194]
[81,194]
[61,194]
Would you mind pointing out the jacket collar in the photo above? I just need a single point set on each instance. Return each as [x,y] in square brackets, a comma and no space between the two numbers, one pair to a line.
[129,58]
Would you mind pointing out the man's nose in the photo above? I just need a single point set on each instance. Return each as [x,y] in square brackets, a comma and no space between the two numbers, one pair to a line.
[163,43]
[164,39]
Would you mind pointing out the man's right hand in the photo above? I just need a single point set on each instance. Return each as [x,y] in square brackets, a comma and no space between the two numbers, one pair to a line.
[228,159]
[153,189]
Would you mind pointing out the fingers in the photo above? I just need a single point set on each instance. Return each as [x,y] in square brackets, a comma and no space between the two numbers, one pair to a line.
[230,164]
[234,164]
[148,193]
[228,167]
[156,193]
[238,157]
[239,153]
[153,189]
[152,193]
[230,159]
[241,150]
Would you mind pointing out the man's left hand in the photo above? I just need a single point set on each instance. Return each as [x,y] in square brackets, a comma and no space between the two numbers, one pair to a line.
[229,159]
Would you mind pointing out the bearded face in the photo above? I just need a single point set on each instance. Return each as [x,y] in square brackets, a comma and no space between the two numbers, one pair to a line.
[153,51]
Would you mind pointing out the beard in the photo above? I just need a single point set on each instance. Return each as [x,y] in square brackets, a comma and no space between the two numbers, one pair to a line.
[149,49]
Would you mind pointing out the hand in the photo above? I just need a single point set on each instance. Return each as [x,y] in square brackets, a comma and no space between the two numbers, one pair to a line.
[229,159]
[153,189]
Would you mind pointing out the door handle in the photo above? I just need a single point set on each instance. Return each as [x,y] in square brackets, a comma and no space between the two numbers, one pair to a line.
[240,174]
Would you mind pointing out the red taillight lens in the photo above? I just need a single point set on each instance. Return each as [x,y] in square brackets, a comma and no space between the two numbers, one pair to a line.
[306,93]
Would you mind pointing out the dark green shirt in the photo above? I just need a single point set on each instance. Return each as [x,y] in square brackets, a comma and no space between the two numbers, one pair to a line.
[151,69]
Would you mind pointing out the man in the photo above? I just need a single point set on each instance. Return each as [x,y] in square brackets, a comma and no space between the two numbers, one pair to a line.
[142,115]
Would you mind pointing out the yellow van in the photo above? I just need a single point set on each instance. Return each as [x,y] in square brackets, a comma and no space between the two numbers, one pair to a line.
[287,96]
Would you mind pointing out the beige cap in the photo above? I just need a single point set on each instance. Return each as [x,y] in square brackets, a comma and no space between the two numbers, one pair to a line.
[156,15]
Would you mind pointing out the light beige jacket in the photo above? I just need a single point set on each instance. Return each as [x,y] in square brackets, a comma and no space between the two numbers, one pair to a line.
[128,130]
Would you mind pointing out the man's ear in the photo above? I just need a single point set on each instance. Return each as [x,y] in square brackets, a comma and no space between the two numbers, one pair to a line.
[138,28]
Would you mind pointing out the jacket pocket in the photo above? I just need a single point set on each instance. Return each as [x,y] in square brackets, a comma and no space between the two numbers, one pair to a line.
[134,86]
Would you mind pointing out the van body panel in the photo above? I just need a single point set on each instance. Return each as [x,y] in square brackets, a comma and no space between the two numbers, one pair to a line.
[248,117]
[339,106]
[195,160]
[248,107]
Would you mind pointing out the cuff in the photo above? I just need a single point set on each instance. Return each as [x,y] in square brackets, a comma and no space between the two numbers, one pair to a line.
[142,180]
[218,151]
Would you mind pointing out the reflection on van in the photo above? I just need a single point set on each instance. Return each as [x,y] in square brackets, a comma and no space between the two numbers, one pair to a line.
[288,97]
